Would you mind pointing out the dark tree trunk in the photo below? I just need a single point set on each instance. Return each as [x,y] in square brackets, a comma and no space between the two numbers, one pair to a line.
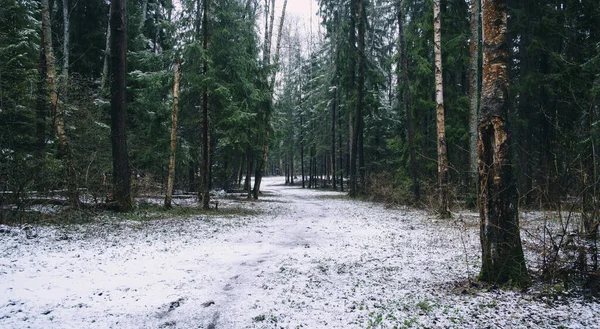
[41,103]
[341,153]
[407,101]
[249,168]
[356,131]
[302,152]
[333,110]
[121,174]
[502,253]
[205,158]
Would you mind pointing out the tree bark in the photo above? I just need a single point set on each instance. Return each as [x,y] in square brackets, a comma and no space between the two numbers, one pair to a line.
[205,160]
[333,122]
[121,173]
[106,49]
[66,24]
[248,178]
[501,250]
[474,89]
[41,102]
[359,100]
[414,169]
[302,150]
[341,153]
[174,117]
[439,99]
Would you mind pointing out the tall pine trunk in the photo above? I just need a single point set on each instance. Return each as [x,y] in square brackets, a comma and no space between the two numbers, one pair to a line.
[205,160]
[501,250]
[356,129]
[41,106]
[334,104]
[414,169]
[439,99]
[121,175]
[174,117]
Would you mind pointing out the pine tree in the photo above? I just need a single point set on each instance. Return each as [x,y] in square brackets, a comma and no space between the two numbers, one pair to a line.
[121,173]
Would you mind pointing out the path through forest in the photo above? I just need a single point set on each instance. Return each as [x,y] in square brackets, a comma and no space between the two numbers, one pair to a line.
[305,259]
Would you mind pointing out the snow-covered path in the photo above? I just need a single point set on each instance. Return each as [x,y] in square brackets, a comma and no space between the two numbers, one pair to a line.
[309,259]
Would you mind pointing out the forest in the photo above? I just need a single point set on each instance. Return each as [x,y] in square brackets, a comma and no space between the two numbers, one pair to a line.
[480,115]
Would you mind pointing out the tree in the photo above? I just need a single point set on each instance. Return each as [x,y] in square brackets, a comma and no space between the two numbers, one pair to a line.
[474,87]
[58,114]
[107,52]
[501,250]
[66,39]
[404,80]
[173,141]
[121,174]
[357,128]
[205,160]
[439,98]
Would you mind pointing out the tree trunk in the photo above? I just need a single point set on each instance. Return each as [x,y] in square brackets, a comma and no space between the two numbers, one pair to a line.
[121,174]
[361,155]
[333,110]
[408,102]
[270,32]
[501,250]
[205,160]
[249,167]
[302,151]
[144,11]
[359,100]
[41,102]
[174,113]
[57,112]
[66,23]
[439,99]
[341,153]
[474,89]
[106,49]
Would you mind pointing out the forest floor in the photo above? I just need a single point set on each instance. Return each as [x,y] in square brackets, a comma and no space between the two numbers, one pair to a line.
[298,258]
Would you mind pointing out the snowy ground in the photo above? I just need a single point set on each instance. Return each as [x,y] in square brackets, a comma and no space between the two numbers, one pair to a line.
[309,259]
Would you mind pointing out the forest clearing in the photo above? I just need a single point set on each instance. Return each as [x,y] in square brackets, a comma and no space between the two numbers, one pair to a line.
[301,259]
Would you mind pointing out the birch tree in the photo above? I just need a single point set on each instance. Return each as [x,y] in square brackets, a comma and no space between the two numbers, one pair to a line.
[439,99]
[501,250]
